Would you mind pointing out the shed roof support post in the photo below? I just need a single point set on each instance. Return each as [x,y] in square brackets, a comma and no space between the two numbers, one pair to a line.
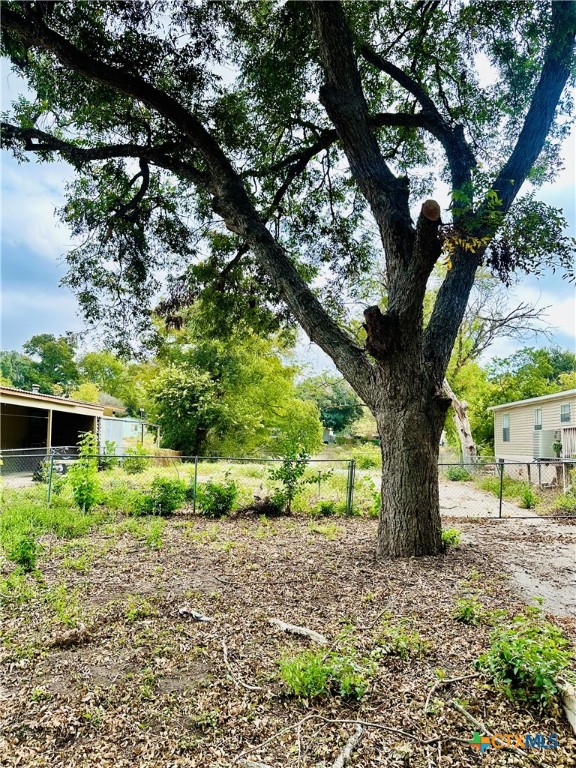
[49,431]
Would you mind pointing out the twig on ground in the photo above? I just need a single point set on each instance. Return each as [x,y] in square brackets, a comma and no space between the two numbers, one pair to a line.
[440,683]
[296,630]
[228,583]
[233,676]
[471,719]
[250,764]
[365,723]
[352,742]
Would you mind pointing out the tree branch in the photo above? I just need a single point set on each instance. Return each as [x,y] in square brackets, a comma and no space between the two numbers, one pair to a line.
[453,294]
[460,156]
[343,98]
[40,142]
[540,115]
[329,136]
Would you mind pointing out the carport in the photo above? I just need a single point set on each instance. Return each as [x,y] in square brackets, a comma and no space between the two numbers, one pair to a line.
[32,423]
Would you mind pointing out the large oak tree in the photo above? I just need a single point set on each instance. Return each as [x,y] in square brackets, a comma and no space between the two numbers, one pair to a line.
[265,156]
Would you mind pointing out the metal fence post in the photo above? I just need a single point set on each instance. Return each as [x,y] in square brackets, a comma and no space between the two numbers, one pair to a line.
[501,468]
[350,487]
[50,472]
[195,483]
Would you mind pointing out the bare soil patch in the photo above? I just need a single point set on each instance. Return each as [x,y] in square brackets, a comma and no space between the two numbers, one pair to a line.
[148,685]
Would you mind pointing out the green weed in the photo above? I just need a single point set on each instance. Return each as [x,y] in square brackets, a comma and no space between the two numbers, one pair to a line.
[468,610]
[451,537]
[315,673]
[65,604]
[528,498]
[137,608]
[458,473]
[397,639]
[526,657]
[24,552]
[332,531]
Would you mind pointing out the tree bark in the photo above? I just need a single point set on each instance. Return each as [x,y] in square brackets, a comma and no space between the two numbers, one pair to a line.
[460,408]
[410,422]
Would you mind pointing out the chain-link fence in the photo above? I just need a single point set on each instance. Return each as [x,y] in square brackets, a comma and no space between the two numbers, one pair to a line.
[21,467]
[483,488]
[322,485]
[490,487]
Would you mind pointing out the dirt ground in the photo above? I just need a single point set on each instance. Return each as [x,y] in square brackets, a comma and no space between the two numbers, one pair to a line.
[116,672]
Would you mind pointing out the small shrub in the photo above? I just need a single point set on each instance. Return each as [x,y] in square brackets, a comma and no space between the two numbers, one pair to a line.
[108,458]
[314,673]
[468,611]
[290,474]
[528,499]
[165,497]
[135,461]
[458,472]
[451,537]
[526,657]
[217,499]
[83,474]
[350,674]
[323,509]
[24,552]
[306,675]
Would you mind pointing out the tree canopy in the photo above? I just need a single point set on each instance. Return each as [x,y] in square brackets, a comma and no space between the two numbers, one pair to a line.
[229,398]
[339,405]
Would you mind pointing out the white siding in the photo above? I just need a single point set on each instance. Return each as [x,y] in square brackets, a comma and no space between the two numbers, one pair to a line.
[520,446]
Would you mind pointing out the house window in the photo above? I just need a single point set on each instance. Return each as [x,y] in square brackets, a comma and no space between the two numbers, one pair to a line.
[538,418]
[506,427]
[565,412]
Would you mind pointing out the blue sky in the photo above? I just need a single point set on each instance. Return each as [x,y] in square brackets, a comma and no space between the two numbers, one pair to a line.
[33,244]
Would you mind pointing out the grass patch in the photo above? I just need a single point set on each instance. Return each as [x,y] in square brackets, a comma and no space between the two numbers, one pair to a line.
[26,514]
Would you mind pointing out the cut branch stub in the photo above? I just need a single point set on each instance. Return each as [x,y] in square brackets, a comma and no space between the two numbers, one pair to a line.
[382,332]
[431,210]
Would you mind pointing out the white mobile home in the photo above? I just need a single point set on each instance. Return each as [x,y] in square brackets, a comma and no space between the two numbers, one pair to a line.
[536,428]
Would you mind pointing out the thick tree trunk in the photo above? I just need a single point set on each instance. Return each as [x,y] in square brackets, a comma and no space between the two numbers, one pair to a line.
[460,408]
[410,425]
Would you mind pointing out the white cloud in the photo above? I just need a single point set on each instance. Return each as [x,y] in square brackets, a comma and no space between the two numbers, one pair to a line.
[27,313]
[561,309]
[30,195]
